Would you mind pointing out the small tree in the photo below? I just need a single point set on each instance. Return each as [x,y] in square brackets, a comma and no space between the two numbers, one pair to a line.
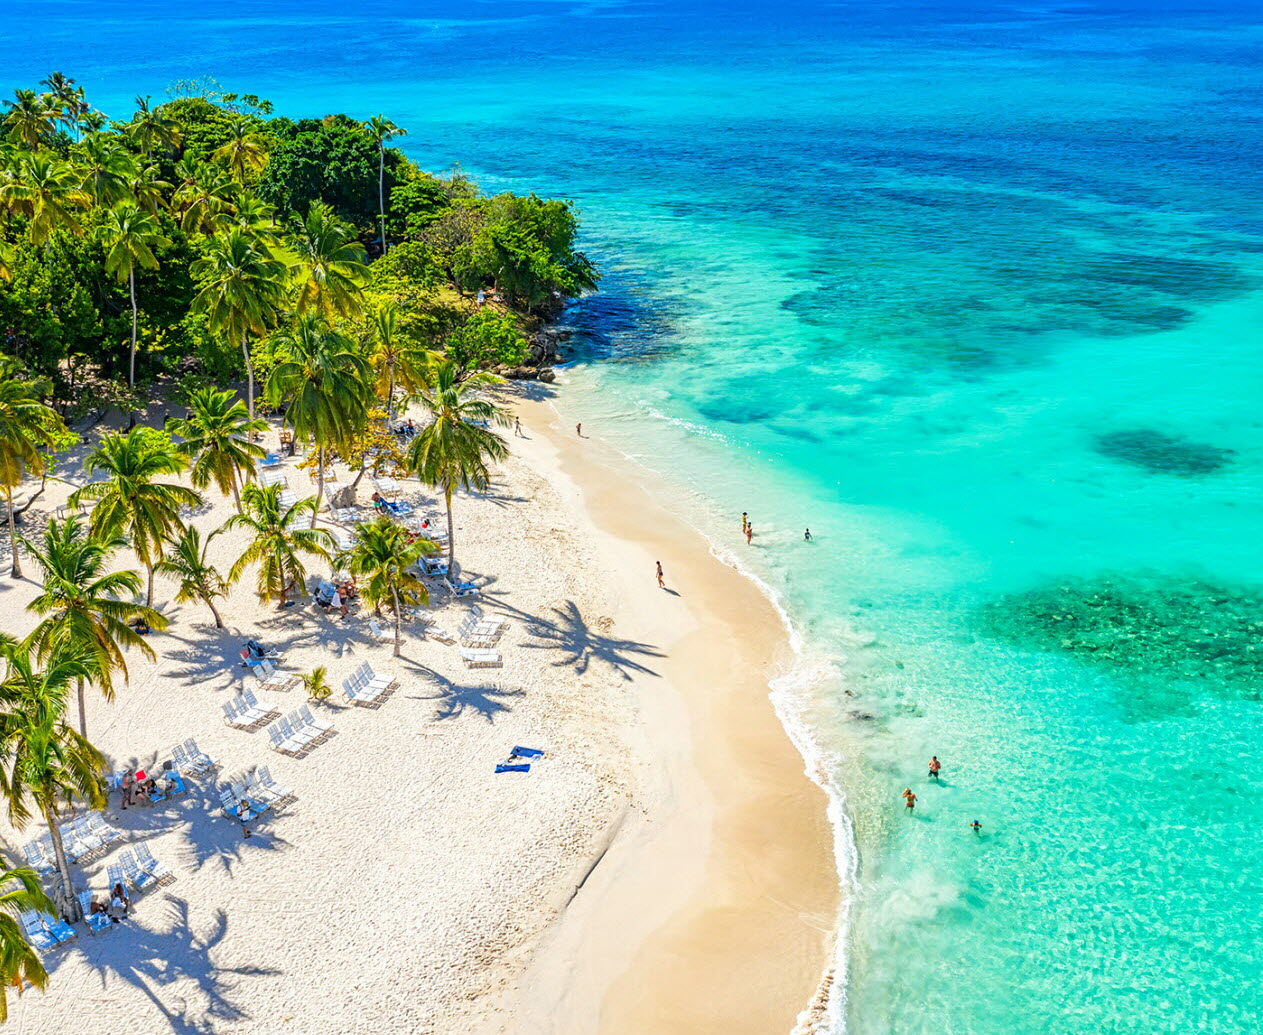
[198,579]
[316,684]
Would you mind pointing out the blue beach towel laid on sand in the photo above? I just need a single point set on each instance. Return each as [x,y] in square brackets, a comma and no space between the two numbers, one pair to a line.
[504,767]
[521,752]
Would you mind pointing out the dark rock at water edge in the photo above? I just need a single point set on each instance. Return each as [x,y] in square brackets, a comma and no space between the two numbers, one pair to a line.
[1162,453]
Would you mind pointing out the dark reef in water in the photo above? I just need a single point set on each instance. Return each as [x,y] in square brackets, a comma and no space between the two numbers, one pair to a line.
[1162,454]
[1164,628]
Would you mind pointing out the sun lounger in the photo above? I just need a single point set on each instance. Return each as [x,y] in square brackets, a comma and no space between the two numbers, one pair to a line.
[460,589]
[95,921]
[323,725]
[287,499]
[114,873]
[271,460]
[377,632]
[248,696]
[481,658]
[257,803]
[146,861]
[140,879]
[33,853]
[272,477]
[269,677]
[385,485]
[109,834]
[35,931]
[506,767]
[283,743]
[263,777]
[198,756]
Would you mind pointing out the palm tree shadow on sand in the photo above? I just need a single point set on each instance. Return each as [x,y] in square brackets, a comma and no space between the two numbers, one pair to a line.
[568,632]
[454,700]
[154,960]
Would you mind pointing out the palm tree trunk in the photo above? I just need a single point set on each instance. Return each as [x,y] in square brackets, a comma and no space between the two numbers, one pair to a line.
[131,369]
[451,533]
[320,484]
[219,622]
[16,571]
[390,397]
[394,592]
[236,496]
[83,711]
[381,190]
[245,352]
[71,904]
[149,591]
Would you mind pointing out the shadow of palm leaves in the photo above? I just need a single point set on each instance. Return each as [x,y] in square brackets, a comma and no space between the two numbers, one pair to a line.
[581,645]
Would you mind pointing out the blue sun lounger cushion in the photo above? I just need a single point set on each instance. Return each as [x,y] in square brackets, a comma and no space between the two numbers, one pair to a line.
[521,752]
[504,767]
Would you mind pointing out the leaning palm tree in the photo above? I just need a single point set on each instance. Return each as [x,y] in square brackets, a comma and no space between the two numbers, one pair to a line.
[452,451]
[217,437]
[46,190]
[45,763]
[382,129]
[327,264]
[245,153]
[398,361]
[27,426]
[69,98]
[188,564]
[131,502]
[82,604]
[280,536]
[130,235]
[324,384]
[242,287]
[383,562]
[20,965]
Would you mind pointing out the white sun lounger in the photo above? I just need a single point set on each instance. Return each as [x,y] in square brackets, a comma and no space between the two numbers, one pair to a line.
[96,921]
[480,658]
[263,777]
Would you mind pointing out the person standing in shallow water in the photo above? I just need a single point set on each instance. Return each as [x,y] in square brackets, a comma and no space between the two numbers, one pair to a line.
[749,534]
[909,799]
[578,430]
[935,766]
[976,827]
[807,535]
[745,521]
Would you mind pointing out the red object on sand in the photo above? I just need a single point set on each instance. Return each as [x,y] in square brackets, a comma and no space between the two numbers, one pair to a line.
[140,775]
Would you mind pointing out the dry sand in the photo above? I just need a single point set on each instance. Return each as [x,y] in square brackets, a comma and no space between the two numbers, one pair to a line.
[666,868]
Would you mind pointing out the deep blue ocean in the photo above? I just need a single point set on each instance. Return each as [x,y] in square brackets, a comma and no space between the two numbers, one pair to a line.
[975,291]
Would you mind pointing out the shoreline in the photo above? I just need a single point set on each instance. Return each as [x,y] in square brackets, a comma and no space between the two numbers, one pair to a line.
[728,870]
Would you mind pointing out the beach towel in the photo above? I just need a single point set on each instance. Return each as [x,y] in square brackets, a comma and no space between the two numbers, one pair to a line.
[504,767]
[521,752]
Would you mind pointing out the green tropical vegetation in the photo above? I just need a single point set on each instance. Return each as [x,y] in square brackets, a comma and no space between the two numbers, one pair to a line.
[383,561]
[279,539]
[20,964]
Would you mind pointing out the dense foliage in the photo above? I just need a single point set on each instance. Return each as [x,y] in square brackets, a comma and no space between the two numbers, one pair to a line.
[188,234]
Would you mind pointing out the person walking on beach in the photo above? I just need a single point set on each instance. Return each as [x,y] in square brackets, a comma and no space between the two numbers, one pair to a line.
[661,584]
[976,827]
[517,427]
[935,766]
[578,430]
[807,535]
[909,799]
[749,533]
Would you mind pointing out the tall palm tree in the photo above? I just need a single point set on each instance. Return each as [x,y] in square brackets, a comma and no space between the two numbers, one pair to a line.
[69,98]
[245,153]
[47,191]
[30,119]
[93,121]
[45,762]
[198,579]
[324,384]
[26,425]
[20,964]
[382,560]
[327,264]
[131,502]
[452,452]
[397,360]
[204,195]
[152,129]
[243,286]
[148,188]
[382,129]
[83,605]
[108,168]
[130,235]
[217,436]
[281,535]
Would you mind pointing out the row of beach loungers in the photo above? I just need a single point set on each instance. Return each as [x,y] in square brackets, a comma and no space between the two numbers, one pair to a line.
[257,790]
[82,838]
[137,868]
[295,733]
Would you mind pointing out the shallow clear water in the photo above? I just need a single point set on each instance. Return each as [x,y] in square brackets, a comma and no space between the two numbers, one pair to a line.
[971,289]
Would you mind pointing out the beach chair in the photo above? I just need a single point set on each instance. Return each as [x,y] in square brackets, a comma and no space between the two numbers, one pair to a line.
[371,679]
[460,589]
[385,485]
[96,921]
[377,632]
[288,499]
[263,777]
[437,632]
[140,879]
[115,875]
[35,931]
[271,460]
[233,715]
[199,756]
[256,704]
[33,853]
[146,861]
[323,725]
[280,742]
[107,833]
[273,679]
[256,802]
[481,658]
[508,767]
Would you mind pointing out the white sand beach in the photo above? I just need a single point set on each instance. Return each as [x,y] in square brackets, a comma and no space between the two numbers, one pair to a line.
[665,867]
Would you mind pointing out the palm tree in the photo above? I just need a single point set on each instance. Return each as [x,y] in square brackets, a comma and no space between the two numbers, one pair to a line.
[68,97]
[108,168]
[6,260]
[26,425]
[131,502]
[382,561]
[151,128]
[397,360]
[382,129]
[327,264]
[148,188]
[217,438]
[245,154]
[83,605]
[19,963]
[47,191]
[324,383]
[93,121]
[205,193]
[130,235]
[45,762]
[30,119]
[242,288]
[279,539]
[452,452]
[187,563]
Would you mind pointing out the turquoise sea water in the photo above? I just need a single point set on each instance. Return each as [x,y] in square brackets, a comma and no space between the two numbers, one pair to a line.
[973,289]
